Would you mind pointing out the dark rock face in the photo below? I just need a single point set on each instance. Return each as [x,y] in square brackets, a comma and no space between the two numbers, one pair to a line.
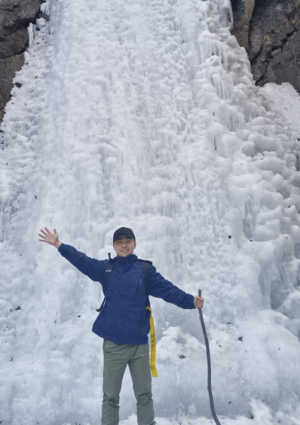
[15,16]
[269,30]
[242,14]
[8,68]
[274,47]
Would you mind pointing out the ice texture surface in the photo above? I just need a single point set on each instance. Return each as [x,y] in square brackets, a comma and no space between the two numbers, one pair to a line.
[144,114]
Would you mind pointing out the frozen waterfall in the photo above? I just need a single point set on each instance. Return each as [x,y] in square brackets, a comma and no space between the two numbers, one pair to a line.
[144,114]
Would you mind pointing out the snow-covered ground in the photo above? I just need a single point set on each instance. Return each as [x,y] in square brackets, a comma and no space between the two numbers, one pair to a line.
[144,114]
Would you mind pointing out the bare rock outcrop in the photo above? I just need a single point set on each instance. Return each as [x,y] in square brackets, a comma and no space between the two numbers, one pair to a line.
[274,47]
[270,32]
[242,14]
[15,16]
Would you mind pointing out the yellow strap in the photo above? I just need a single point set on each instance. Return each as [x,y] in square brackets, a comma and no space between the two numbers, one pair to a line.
[153,346]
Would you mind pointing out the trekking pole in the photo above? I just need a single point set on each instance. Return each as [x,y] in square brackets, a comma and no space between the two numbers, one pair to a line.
[211,399]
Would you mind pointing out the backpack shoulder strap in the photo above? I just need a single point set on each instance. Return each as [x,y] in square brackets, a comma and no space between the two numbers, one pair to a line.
[146,267]
[108,271]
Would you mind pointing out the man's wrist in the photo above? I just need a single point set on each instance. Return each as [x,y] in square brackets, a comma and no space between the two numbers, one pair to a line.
[57,245]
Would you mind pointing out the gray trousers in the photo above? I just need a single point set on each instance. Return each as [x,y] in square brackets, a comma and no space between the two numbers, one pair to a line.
[116,358]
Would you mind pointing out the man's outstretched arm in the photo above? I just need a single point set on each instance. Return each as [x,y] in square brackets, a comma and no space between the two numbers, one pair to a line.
[91,267]
[162,288]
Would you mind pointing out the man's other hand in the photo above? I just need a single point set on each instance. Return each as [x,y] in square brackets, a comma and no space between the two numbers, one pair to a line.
[198,302]
[50,238]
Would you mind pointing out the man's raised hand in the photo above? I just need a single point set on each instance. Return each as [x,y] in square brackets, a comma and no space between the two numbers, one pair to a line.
[50,238]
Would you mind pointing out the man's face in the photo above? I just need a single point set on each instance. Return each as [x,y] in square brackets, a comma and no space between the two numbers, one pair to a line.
[124,246]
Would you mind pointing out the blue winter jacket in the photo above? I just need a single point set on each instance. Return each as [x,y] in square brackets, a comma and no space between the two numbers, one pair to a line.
[124,319]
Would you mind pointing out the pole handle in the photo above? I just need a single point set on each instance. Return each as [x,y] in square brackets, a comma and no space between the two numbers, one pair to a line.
[199,292]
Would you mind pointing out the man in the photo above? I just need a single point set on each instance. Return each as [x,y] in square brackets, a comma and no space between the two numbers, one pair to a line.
[124,320]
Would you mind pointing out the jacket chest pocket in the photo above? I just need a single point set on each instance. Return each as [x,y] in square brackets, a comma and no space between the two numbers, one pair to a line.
[141,287]
[135,288]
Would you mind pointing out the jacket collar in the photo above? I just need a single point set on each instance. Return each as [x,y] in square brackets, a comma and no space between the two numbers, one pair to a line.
[126,261]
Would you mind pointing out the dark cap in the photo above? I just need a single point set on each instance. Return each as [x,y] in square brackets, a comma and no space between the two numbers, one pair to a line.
[123,231]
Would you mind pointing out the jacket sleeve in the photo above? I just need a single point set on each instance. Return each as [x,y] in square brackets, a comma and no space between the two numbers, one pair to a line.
[162,288]
[91,267]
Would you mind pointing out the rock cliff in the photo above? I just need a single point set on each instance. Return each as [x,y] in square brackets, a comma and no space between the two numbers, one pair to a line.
[242,15]
[269,30]
[15,16]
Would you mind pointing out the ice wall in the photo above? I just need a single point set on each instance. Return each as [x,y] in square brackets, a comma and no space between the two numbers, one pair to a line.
[144,114]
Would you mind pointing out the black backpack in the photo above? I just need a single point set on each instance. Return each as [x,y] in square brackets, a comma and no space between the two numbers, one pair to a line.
[146,266]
